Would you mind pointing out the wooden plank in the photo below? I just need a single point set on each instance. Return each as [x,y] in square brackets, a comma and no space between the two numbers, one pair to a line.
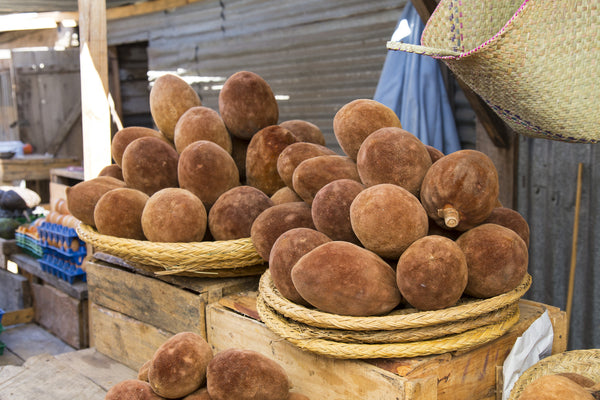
[145,7]
[23,316]
[97,367]
[34,167]
[93,56]
[312,375]
[43,377]
[124,339]
[27,263]
[63,315]
[15,292]
[65,128]
[148,300]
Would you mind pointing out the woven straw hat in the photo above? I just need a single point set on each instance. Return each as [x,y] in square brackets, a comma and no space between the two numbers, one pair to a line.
[534,62]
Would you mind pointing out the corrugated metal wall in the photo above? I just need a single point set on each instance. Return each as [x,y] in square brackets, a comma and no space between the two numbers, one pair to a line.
[546,193]
[322,54]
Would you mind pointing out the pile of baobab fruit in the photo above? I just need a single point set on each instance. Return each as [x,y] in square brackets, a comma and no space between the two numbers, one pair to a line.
[389,222]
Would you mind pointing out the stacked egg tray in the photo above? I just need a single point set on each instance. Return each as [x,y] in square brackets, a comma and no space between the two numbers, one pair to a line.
[63,252]
[29,242]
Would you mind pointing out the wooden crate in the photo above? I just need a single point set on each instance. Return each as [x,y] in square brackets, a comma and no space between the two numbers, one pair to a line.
[63,315]
[133,311]
[234,322]
[60,180]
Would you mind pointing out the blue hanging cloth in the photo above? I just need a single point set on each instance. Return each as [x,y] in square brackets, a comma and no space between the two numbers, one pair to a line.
[412,86]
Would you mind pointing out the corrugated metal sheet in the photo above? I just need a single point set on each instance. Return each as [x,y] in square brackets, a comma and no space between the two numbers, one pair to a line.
[546,193]
[322,54]
[21,6]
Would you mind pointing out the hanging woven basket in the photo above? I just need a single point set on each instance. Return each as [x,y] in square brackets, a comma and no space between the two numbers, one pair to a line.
[206,259]
[534,62]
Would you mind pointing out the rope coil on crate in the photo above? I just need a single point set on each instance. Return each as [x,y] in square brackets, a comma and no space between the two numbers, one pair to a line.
[398,319]
[280,326]
[193,257]
[583,362]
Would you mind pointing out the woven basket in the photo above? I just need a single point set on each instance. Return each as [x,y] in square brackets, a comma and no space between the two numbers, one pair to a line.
[583,362]
[331,348]
[534,62]
[398,319]
[401,333]
[206,259]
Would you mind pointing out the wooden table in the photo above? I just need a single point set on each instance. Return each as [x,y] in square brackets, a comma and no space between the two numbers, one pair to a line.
[33,169]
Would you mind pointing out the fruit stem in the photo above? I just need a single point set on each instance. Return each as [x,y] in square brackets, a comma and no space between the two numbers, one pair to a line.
[450,215]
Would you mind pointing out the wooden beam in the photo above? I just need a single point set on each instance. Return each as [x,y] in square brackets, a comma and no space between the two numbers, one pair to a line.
[64,129]
[146,8]
[95,110]
[23,316]
[496,128]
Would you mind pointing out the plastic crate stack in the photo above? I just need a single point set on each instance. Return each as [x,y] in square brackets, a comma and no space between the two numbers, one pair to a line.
[63,252]
[2,345]
[28,239]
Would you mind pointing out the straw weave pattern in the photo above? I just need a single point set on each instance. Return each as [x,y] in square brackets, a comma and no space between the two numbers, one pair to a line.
[583,362]
[235,256]
[534,62]
[331,348]
[397,319]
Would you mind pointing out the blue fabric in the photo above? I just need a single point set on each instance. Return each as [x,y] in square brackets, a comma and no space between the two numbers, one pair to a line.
[412,86]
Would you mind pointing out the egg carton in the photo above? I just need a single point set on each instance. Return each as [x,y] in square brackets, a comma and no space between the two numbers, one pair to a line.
[61,238]
[29,244]
[62,268]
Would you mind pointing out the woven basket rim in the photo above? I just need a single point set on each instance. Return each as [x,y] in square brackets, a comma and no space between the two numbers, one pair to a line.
[578,361]
[397,319]
[462,341]
[190,257]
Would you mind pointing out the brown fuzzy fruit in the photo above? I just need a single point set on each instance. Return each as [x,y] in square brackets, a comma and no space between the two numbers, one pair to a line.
[286,251]
[174,215]
[460,190]
[207,170]
[178,366]
[132,389]
[246,375]
[434,153]
[357,120]
[149,165]
[261,158]
[497,259]
[247,104]
[554,387]
[143,371]
[343,278]
[200,394]
[393,155]
[432,273]
[83,196]
[233,213]
[239,148]
[304,131]
[579,379]
[112,170]
[170,97]
[297,396]
[314,173]
[123,137]
[294,154]
[331,209]
[511,219]
[276,220]
[119,213]
[285,195]
[387,218]
[201,123]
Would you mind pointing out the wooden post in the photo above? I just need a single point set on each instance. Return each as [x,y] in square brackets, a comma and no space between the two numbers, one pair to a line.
[95,110]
